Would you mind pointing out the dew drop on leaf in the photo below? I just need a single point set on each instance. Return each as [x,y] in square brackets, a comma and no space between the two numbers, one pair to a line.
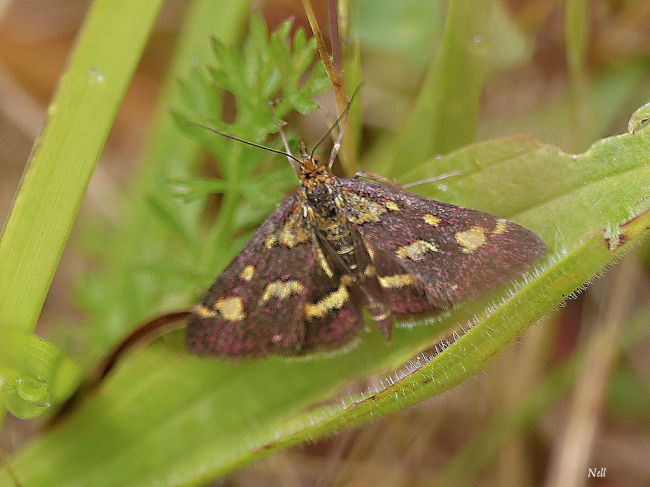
[26,397]
[96,75]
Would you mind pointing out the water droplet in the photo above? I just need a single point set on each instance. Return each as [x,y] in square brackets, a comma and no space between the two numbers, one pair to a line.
[479,45]
[96,75]
[27,397]
[640,119]
[32,390]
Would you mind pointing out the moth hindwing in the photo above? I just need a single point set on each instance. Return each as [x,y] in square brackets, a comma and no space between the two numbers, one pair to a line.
[339,245]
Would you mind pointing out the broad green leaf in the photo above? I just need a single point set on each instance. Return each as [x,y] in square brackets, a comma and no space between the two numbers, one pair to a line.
[165,418]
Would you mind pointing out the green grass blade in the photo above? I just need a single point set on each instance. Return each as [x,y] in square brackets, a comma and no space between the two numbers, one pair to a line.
[576,33]
[446,110]
[125,297]
[165,418]
[64,156]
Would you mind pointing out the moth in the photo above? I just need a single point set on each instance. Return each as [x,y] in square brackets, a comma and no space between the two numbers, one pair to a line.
[336,246]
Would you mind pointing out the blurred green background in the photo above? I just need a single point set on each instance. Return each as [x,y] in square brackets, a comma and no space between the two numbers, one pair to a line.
[569,72]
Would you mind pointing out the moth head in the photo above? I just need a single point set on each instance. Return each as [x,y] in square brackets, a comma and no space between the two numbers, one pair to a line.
[311,166]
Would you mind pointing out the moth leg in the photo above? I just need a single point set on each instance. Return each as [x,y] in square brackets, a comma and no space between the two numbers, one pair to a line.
[375,298]
[364,293]
[433,179]
[381,314]
[378,178]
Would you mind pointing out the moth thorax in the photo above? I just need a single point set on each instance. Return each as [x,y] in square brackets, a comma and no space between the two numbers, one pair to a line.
[322,197]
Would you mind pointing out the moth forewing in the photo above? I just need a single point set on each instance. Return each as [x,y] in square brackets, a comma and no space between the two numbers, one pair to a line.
[453,253]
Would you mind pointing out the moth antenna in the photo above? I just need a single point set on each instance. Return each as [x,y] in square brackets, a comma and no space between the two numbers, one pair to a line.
[247,142]
[336,122]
